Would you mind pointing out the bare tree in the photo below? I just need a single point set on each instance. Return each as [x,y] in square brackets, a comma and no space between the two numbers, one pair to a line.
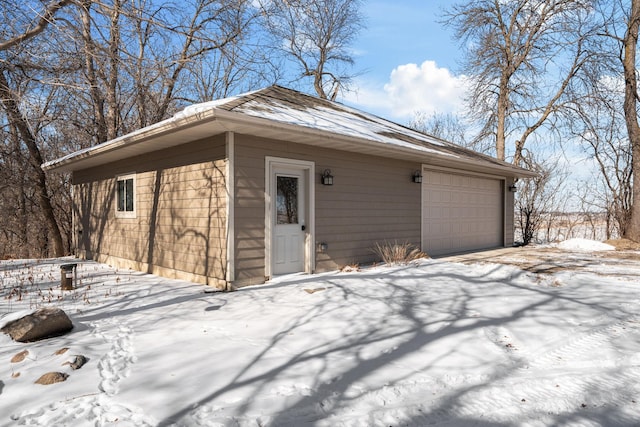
[27,23]
[77,73]
[241,64]
[315,35]
[538,197]
[138,53]
[448,126]
[597,122]
[521,56]
[606,117]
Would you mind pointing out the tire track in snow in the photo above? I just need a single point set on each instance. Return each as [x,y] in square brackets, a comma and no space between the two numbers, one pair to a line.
[511,398]
[578,348]
[505,344]
[570,349]
[560,377]
[526,397]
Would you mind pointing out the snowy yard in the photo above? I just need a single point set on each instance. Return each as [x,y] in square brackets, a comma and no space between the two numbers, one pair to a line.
[436,343]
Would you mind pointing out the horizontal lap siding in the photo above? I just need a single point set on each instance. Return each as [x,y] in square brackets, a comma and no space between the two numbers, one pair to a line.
[249,209]
[180,225]
[373,200]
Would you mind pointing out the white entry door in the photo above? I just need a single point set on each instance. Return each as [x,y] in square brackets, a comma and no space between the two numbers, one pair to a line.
[289,227]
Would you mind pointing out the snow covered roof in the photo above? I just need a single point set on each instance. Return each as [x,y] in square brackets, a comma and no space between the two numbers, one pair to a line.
[280,113]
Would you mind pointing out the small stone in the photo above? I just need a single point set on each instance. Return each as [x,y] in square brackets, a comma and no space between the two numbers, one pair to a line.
[63,350]
[52,378]
[78,362]
[20,356]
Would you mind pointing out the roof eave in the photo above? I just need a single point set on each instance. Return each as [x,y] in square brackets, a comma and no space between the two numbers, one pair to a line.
[193,127]
[330,140]
[130,141]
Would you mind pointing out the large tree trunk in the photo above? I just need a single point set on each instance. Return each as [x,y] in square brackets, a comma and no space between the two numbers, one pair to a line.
[100,120]
[631,114]
[503,106]
[14,114]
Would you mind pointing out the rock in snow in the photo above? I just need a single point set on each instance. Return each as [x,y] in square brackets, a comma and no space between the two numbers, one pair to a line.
[78,362]
[42,323]
[52,378]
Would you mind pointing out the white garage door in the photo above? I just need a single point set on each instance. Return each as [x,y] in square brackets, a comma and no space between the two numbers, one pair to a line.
[460,213]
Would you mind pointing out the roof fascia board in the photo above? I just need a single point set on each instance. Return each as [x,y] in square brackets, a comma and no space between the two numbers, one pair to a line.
[171,125]
[417,154]
[233,121]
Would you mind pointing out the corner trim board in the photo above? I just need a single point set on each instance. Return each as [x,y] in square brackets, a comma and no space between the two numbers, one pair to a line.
[230,190]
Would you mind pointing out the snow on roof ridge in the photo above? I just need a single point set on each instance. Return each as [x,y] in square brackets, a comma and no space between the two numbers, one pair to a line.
[364,114]
[200,107]
[348,122]
[273,91]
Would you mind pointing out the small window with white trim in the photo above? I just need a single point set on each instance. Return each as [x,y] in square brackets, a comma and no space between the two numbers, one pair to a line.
[125,196]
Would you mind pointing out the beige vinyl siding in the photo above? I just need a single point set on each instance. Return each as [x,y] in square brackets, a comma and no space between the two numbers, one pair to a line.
[249,222]
[373,199]
[180,225]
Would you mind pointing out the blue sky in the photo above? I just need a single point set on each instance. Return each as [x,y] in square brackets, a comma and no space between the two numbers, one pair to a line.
[410,63]
[408,60]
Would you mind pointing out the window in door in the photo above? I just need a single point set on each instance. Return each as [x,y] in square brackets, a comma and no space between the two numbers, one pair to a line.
[287,200]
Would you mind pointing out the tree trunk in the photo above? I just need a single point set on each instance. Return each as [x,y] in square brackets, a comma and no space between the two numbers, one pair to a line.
[100,120]
[19,121]
[631,115]
[503,106]
[114,67]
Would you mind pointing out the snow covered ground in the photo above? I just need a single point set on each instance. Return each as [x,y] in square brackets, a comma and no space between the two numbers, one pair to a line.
[435,343]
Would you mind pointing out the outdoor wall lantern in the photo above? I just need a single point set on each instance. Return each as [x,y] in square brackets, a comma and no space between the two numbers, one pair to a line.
[513,188]
[327,178]
[417,177]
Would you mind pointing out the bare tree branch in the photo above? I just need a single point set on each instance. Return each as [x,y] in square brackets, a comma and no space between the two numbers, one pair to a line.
[44,20]
[510,49]
[315,35]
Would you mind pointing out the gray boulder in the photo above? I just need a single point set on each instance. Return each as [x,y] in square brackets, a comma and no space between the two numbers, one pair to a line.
[42,323]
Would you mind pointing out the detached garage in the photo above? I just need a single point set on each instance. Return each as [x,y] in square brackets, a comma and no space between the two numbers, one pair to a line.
[232,192]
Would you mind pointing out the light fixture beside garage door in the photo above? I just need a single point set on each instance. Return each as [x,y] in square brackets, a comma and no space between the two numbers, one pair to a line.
[327,178]
[417,177]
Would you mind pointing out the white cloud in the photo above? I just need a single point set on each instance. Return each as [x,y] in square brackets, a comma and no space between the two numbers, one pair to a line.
[411,88]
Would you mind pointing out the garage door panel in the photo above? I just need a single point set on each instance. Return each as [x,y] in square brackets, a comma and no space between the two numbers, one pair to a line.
[460,212]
